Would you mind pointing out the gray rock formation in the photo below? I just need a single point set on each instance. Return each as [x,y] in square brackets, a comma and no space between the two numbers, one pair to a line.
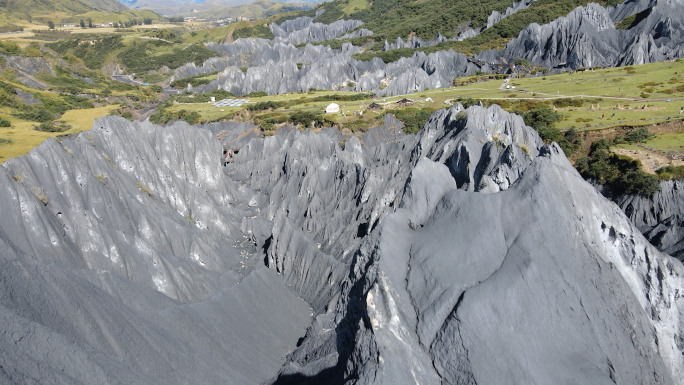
[131,255]
[660,218]
[358,33]
[304,30]
[413,42]
[496,17]
[586,37]
[450,276]
[27,97]
[27,67]
[275,70]
[117,246]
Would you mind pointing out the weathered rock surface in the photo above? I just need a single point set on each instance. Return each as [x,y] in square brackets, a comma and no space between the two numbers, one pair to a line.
[130,254]
[586,37]
[304,30]
[276,70]
[450,276]
[135,244]
[660,218]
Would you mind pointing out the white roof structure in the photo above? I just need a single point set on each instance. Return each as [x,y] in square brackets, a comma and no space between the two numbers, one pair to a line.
[230,103]
[332,108]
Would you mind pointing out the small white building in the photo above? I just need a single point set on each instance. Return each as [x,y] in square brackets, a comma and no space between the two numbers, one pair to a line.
[332,108]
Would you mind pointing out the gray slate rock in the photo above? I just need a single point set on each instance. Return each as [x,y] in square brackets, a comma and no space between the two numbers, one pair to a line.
[586,37]
[660,218]
[451,275]
[134,267]
[416,255]
[303,30]
[27,97]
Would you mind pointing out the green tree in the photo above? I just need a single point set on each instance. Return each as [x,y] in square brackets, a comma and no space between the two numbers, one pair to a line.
[82,23]
[51,24]
[90,23]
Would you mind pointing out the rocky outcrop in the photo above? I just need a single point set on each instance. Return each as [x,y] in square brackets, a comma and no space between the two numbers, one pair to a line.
[496,17]
[413,42]
[325,68]
[132,249]
[660,217]
[451,275]
[117,245]
[358,33]
[586,37]
[304,30]
[27,97]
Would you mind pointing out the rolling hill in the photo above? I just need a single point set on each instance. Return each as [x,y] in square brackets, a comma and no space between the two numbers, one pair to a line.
[209,8]
[23,9]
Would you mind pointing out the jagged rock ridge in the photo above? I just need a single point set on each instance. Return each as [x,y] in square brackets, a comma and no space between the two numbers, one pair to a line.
[416,255]
[586,37]
[660,217]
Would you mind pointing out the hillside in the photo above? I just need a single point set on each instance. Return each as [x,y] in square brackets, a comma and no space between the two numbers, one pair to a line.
[216,9]
[390,19]
[379,192]
[259,9]
[24,9]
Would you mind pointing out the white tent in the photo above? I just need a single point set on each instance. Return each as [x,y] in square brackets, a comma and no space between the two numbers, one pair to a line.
[332,108]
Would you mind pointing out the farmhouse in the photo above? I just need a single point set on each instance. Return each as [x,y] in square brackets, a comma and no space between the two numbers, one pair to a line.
[405,102]
[374,107]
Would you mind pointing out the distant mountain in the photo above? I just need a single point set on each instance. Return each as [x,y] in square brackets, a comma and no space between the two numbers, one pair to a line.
[259,9]
[180,7]
[30,7]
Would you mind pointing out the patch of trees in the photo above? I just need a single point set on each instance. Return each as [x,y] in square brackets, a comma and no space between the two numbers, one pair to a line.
[256,31]
[9,49]
[670,173]
[268,105]
[618,174]
[139,57]
[94,53]
[7,28]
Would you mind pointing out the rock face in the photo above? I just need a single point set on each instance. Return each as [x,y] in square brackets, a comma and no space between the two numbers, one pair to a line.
[304,30]
[116,246]
[660,218]
[450,276]
[587,37]
[131,250]
[276,70]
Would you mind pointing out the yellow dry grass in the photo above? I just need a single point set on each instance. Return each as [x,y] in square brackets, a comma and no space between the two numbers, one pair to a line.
[25,138]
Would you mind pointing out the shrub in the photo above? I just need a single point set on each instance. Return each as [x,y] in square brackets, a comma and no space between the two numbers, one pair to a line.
[413,118]
[256,94]
[619,174]
[256,31]
[50,127]
[5,123]
[34,113]
[639,135]
[670,173]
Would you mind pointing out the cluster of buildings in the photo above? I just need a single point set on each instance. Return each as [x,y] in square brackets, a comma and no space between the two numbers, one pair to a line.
[334,108]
